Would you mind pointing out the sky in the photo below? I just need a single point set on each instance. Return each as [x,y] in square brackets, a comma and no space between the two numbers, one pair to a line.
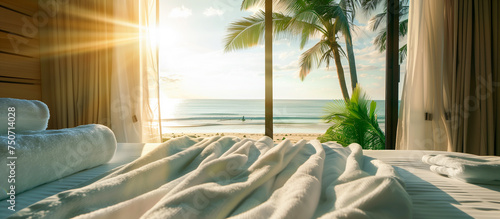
[193,64]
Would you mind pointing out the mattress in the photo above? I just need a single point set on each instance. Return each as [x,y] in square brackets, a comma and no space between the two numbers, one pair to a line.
[433,196]
[436,196]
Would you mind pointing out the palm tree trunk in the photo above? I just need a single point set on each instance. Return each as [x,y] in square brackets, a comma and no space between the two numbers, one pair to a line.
[352,62]
[340,69]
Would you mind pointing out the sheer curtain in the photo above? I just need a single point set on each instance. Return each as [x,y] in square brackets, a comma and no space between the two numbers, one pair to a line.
[99,65]
[424,114]
[134,92]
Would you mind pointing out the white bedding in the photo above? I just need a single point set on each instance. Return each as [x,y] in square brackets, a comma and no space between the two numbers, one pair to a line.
[221,177]
[478,169]
[437,196]
[433,196]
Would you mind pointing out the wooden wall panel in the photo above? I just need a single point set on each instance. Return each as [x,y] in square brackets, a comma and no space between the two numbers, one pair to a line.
[14,22]
[14,44]
[27,7]
[19,67]
[19,50]
[21,91]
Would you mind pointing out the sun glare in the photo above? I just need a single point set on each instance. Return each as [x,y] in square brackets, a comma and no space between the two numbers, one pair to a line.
[163,36]
[169,107]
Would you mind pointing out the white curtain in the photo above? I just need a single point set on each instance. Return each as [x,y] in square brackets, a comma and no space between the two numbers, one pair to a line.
[134,91]
[424,114]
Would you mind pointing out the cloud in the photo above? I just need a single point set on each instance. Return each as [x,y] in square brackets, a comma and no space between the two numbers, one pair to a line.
[362,67]
[329,76]
[370,55]
[286,54]
[209,12]
[279,75]
[279,42]
[173,78]
[180,12]
[291,66]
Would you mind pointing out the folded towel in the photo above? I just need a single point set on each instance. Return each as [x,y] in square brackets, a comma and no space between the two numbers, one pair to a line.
[44,156]
[469,168]
[30,115]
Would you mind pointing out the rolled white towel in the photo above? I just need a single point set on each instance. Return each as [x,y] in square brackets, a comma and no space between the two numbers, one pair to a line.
[44,156]
[473,169]
[30,115]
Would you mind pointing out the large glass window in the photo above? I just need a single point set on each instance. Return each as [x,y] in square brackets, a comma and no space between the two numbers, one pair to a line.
[207,90]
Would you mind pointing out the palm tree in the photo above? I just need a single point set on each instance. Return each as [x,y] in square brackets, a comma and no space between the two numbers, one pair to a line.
[354,121]
[370,6]
[302,19]
[349,9]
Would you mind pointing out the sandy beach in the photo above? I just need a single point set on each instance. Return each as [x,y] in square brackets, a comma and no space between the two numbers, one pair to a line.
[294,137]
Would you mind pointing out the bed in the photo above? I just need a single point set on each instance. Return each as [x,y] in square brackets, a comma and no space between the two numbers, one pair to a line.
[432,195]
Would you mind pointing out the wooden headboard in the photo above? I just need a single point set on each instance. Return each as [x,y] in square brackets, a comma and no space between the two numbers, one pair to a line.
[19,49]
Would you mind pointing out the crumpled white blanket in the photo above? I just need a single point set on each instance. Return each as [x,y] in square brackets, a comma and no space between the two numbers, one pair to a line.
[223,177]
[468,168]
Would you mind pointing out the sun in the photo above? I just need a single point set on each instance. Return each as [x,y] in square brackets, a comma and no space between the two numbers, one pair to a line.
[163,36]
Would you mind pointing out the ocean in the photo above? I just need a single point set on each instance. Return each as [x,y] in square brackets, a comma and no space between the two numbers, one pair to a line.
[226,116]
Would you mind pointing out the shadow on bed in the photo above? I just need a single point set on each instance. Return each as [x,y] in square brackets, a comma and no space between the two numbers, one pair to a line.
[495,188]
[428,200]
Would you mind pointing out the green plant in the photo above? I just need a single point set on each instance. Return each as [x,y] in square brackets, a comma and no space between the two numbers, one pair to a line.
[354,121]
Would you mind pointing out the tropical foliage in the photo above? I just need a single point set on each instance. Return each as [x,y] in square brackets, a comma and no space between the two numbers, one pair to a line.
[369,6]
[303,20]
[354,121]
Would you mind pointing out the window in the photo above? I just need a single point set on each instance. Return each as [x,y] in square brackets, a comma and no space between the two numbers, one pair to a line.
[207,90]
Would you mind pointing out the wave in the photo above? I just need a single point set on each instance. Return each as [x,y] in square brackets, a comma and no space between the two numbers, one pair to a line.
[240,118]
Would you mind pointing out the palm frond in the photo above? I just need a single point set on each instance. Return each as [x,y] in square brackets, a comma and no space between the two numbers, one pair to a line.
[341,21]
[371,5]
[403,51]
[249,31]
[403,27]
[313,21]
[376,20]
[282,6]
[381,17]
[381,40]
[341,51]
[313,57]
[245,33]
[247,4]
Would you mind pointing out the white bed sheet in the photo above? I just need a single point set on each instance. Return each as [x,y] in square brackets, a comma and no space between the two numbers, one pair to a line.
[436,196]
[433,196]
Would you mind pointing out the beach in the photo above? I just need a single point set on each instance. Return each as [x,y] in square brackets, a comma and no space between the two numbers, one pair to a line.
[293,119]
[279,137]
[212,116]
